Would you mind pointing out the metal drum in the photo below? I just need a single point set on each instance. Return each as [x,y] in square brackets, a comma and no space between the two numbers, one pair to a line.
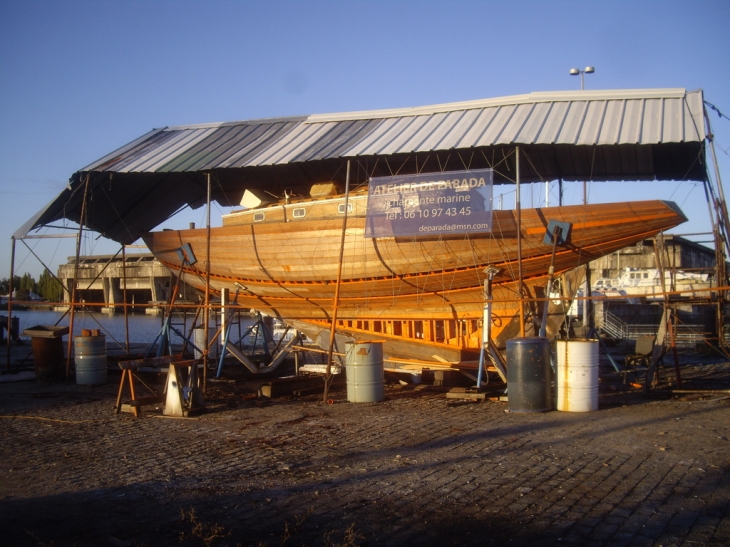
[90,358]
[201,344]
[48,359]
[577,375]
[529,374]
[364,367]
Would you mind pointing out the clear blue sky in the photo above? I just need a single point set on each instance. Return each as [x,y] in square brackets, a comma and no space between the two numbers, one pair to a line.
[81,78]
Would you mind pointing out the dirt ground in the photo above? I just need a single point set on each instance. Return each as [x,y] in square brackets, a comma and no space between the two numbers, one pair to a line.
[415,469]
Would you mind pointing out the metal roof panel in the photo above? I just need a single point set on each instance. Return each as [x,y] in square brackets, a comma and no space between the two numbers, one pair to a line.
[368,144]
[472,128]
[553,124]
[263,136]
[398,143]
[441,132]
[161,155]
[592,124]
[460,123]
[419,142]
[340,140]
[385,137]
[513,127]
[573,123]
[208,150]
[302,138]
[612,122]
[493,131]
[532,128]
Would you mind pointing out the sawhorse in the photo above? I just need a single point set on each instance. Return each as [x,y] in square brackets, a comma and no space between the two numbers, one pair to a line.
[153,364]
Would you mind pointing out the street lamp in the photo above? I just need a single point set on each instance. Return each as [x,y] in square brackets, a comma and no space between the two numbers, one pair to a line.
[587,287]
[587,70]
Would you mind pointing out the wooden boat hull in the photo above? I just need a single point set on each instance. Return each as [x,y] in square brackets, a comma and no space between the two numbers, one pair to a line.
[288,268]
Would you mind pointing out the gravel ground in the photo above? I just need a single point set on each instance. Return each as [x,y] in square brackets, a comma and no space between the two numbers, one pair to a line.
[416,469]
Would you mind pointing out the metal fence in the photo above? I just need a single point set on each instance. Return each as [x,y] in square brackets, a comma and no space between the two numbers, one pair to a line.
[686,335]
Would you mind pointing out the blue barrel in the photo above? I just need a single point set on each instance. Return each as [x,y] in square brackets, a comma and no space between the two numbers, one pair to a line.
[90,359]
[364,368]
[529,374]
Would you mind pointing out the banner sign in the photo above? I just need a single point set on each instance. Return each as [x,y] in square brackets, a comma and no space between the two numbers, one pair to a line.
[430,204]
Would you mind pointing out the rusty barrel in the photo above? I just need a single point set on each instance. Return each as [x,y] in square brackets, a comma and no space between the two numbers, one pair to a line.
[529,374]
[48,355]
[364,368]
[48,359]
[90,358]
[577,375]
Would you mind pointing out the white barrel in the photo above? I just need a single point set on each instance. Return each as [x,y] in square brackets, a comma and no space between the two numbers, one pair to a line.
[199,340]
[577,375]
[90,359]
[364,368]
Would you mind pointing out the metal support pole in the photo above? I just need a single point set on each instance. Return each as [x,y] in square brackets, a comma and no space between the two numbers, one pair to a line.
[718,179]
[560,192]
[587,307]
[206,313]
[518,207]
[76,279]
[587,320]
[328,373]
[491,271]
[548,286]
[10,297]
[224,313]
[124,298]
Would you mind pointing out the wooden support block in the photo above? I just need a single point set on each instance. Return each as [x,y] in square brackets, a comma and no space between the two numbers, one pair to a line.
[287,386]
[151,400]
[448,378]
[466,395]
[405,376]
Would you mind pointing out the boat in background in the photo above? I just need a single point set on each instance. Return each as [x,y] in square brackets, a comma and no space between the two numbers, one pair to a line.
[423,295]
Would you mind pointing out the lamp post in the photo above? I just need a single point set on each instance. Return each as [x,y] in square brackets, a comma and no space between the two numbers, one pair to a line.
[586,70]
[587,311]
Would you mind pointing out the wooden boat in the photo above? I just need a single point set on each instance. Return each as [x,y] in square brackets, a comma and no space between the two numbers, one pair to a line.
[423,295]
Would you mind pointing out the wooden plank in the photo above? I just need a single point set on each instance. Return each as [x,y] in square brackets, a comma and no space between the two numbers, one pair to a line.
[149,361]
[287,386]
[150,400]
[469,396]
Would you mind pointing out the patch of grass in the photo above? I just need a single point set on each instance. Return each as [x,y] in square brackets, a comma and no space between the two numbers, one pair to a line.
[291,529]
[209,534]
[212,535]
[350,538]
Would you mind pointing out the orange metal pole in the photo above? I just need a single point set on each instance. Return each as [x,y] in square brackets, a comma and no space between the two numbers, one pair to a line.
[328,374]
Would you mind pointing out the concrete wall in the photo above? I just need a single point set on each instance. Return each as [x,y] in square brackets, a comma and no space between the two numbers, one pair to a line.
[100,279]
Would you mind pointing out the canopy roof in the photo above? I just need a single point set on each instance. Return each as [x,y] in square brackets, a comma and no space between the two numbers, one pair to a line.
[643,134]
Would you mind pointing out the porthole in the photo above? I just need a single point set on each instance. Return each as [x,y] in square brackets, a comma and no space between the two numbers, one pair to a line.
[259,217]
[341,208]
[300,212]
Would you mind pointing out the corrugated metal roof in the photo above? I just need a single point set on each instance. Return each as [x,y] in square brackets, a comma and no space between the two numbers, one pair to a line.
[583,118]
[576,135]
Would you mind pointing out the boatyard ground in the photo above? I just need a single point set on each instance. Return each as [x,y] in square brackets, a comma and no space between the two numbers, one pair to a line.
[416,469]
